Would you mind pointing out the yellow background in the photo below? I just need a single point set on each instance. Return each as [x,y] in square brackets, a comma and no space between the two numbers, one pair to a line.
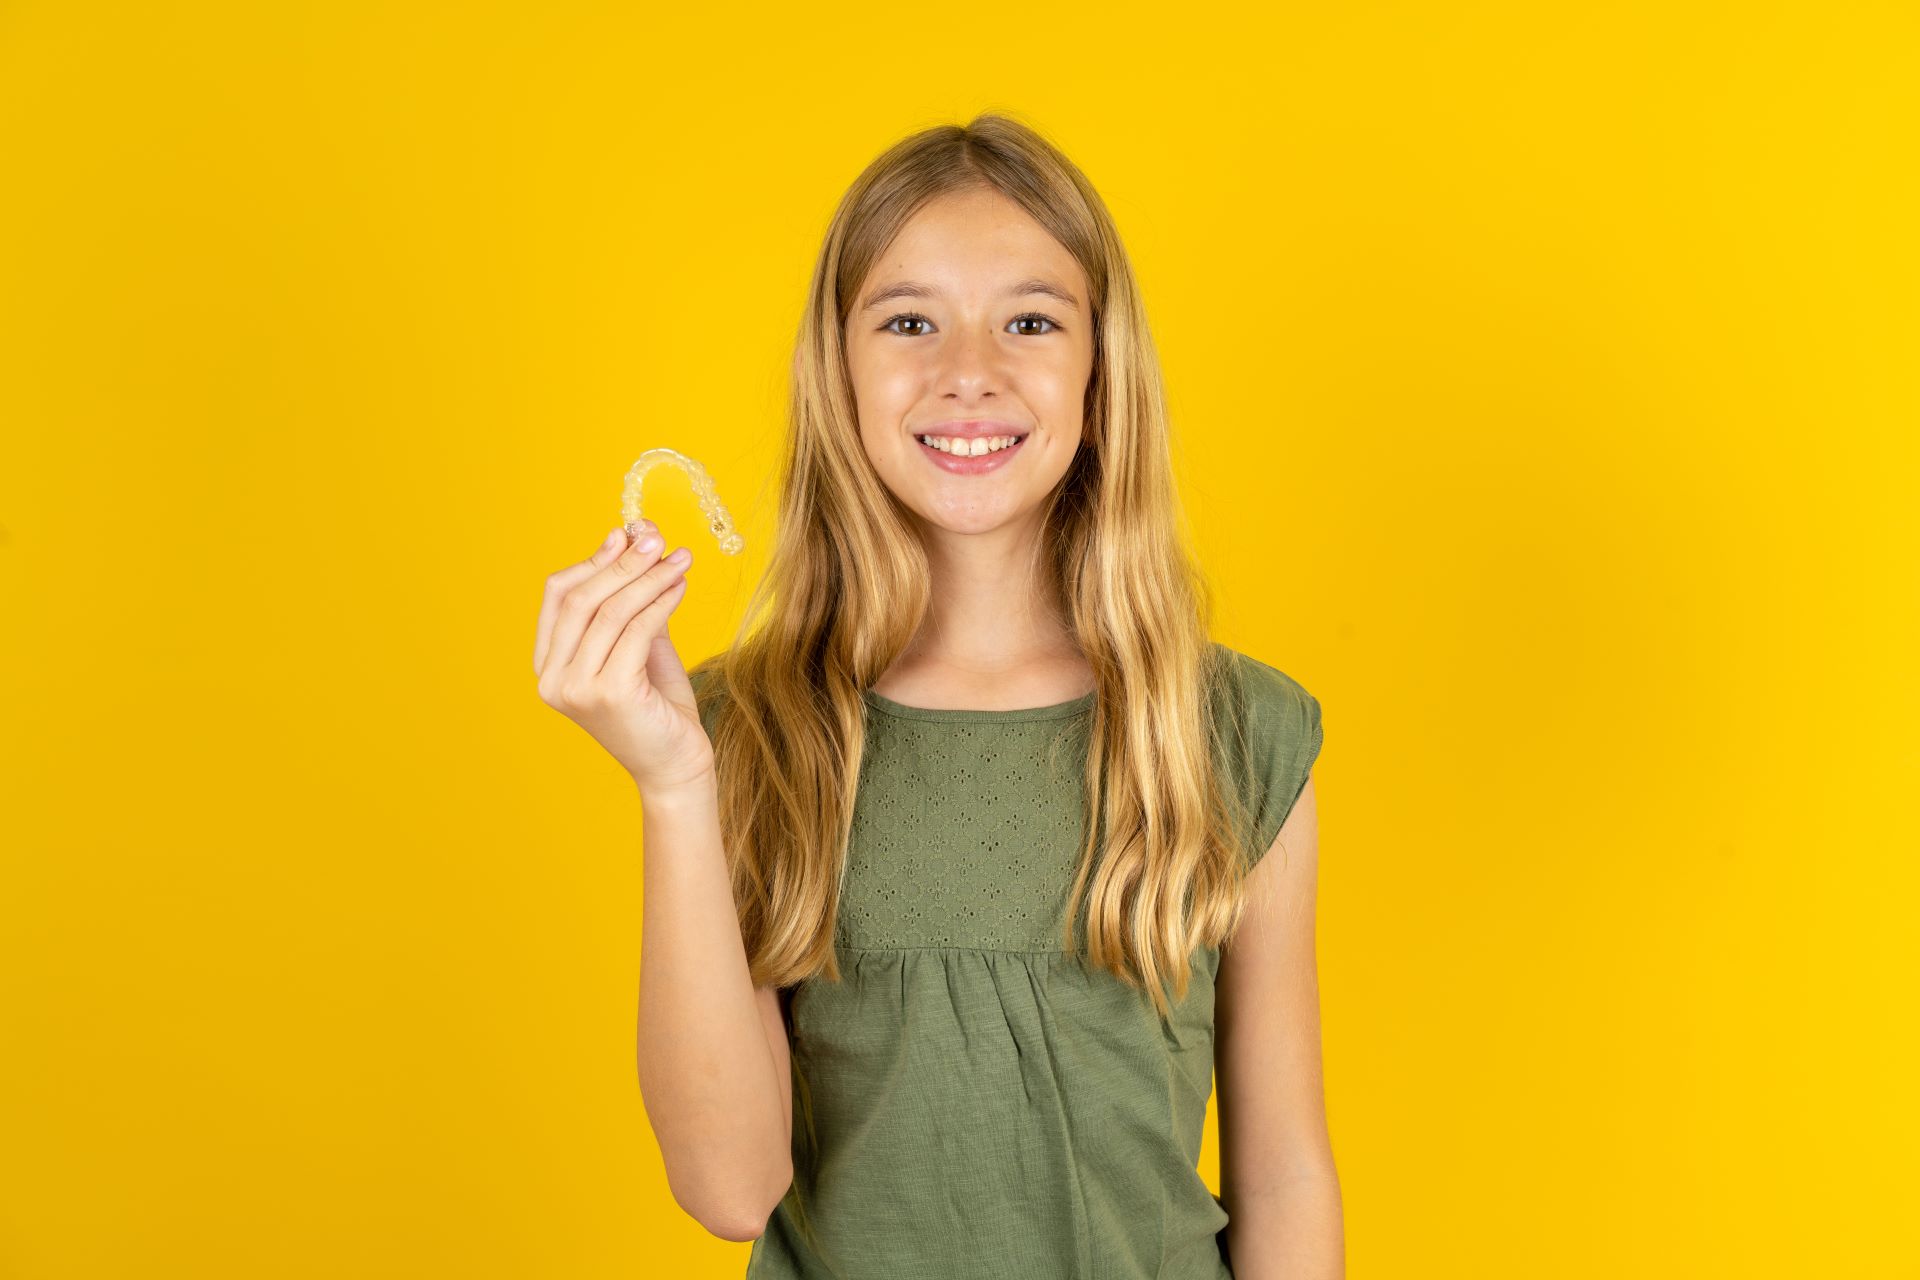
[1545,389]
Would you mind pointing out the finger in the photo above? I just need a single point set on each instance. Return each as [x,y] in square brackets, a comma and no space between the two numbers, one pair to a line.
[618,609]
[584,598]
[629,656]
[665,671]
[560,582]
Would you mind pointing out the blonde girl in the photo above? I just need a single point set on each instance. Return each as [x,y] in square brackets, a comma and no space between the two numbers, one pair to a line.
[958,886]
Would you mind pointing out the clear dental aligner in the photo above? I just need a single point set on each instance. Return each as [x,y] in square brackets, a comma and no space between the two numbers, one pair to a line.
[718,521]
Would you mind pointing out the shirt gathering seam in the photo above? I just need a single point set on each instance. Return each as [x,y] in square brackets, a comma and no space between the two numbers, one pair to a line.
[1002,951]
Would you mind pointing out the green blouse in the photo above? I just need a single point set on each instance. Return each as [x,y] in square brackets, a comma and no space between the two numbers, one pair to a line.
[969,1100]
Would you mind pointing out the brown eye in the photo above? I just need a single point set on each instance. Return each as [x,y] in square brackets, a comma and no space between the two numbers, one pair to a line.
[910,317]
[1031,317]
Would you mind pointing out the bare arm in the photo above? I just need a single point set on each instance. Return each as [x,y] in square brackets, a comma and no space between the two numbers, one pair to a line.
[712,1048]
[1277,1176]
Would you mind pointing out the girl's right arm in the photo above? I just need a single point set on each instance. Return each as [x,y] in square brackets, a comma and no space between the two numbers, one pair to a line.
[712,1049]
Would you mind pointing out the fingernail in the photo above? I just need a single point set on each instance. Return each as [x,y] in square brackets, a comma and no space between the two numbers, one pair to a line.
[648,542]
[680,557]
[611,539]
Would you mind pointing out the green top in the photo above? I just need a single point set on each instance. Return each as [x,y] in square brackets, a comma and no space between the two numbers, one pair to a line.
[984,1104]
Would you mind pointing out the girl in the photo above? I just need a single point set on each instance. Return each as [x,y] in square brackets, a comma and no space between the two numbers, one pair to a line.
[944,854]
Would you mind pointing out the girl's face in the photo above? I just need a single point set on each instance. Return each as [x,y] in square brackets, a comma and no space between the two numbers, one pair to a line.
[973,326]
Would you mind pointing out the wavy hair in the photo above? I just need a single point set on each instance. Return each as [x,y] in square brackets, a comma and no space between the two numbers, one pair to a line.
[847,587]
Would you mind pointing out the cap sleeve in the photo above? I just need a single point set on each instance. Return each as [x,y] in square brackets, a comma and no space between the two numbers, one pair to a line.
[1282,723]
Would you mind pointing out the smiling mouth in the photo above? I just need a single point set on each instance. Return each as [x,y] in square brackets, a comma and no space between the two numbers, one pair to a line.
[971,447]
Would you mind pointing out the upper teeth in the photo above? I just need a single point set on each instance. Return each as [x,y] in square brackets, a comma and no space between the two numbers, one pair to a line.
[969,448]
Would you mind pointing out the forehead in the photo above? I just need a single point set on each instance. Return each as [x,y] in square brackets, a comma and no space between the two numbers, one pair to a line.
[973,244]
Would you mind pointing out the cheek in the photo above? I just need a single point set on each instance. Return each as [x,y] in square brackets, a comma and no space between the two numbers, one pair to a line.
[1066,396]
[880,405]
[880,380]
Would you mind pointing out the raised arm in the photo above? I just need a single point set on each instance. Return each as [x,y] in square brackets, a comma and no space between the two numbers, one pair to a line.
[712,1048]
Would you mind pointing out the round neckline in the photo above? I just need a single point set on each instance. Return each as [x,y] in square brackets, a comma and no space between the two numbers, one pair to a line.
[976,715]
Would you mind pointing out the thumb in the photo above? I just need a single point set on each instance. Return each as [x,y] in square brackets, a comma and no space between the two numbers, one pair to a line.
[665,671]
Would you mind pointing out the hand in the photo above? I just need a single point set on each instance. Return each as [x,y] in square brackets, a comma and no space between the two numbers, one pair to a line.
[605,661]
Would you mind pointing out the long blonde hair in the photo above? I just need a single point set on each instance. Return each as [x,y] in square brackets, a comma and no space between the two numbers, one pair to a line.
[847,587]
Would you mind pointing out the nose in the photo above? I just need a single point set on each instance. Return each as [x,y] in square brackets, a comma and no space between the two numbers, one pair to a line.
[970,363]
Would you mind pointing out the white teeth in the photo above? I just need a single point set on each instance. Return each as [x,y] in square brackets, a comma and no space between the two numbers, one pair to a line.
[965,448]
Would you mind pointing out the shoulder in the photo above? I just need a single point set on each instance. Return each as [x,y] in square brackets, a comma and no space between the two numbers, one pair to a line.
[1266,697]
[1270,732]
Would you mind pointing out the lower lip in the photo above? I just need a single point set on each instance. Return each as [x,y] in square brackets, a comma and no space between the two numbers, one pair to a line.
[971,466]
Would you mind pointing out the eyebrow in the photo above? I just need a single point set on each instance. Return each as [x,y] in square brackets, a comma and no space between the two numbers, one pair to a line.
[910,289]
